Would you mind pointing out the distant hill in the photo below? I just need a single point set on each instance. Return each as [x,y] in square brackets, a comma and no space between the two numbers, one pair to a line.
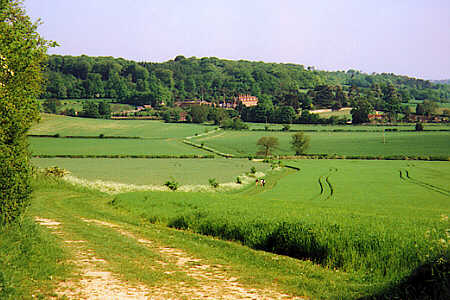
[213,80]
[443,81]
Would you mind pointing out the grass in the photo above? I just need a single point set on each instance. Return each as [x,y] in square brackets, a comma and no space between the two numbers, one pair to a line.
[360,217]
[53,124]
[154,171]
[135,263]
[31,261]
[54,146]
[340,143]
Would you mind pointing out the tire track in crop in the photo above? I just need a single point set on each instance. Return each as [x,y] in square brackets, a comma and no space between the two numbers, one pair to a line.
[404,175]
[326,187]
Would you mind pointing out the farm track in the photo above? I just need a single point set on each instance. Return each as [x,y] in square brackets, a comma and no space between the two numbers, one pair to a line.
[97,282]
[326,187]
[404,175]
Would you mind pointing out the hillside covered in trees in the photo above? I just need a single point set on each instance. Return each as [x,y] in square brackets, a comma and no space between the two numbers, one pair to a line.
[287,86]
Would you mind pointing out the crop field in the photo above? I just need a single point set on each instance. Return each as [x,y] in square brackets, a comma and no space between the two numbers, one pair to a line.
[77,146]
[77,105]
[377,219]
[52,124]
[154,171]
[340,143]
[339,128]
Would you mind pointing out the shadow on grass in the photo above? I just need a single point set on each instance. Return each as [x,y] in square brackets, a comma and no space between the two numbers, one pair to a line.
[429,281]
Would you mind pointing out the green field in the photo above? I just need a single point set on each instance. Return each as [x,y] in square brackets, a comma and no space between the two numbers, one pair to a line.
[154,171]
[77,146]
[77,104]
[340,143]
[52,124]
[377,219]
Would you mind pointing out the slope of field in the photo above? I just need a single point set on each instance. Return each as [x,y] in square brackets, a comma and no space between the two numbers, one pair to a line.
[154,171]
[341,143]
[53,124]
[378,219]
[66,146]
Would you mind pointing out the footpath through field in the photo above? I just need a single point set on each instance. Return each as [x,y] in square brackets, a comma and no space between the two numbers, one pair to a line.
[116,260]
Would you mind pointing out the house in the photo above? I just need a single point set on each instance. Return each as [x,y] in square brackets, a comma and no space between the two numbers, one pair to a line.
[183,116]
[248,100]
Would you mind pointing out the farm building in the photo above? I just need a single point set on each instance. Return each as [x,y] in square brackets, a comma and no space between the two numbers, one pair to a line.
[248,100]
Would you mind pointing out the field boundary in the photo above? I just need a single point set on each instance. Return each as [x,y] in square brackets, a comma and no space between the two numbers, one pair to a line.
[119,156]
[57,136]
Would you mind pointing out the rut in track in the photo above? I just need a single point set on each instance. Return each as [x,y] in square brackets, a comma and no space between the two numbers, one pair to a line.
[95,282]
[326,187]
[211,281]
[404,175]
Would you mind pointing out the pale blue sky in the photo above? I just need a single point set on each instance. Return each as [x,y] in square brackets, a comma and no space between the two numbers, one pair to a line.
[409,37]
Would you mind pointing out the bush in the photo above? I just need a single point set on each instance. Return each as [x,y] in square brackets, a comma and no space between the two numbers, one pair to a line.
[55,171]
[419,127]
[238,180]
[253,170]
[213,183]
[172,184]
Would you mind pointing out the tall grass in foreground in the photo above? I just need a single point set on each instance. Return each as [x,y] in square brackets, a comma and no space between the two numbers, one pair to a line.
[376,249]
[380,237]
[30,261]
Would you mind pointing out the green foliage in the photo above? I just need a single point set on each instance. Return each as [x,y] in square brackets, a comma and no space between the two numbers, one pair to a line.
[172,184]
[199,113]
[419,127]
[55,171]
[213,183]
[360,111]
[51,106]
[300,143]
[340,223]
[267,144]
[238,180]
[252,170]
[234,124]
[31,261]
[22,54]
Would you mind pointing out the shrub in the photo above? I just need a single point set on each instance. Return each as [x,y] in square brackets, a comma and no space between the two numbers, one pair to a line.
[213,183]
[419,127]
[238,180]
[55,171]
[172,184]
[253,170]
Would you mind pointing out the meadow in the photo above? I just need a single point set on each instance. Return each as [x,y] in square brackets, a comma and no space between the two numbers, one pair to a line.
[340,143]
[154,171]
[379,220]
[80,146]
[53,124]
[350,228]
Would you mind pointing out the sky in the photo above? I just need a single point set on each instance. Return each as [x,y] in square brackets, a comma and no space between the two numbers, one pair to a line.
[405,37]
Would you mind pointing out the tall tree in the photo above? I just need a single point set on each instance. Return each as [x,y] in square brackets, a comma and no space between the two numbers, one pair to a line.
[299,143]
[266,145]
[22,54]
[360,111]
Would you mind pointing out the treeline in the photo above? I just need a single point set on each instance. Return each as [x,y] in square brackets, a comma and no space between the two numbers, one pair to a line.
[215,80]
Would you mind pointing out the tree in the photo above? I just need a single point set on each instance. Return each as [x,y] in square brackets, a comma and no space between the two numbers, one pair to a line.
[51,106]
[360,111]
[300,143]
[22,54]
[90,110]
[267,144]
[104,109]
[199,113]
